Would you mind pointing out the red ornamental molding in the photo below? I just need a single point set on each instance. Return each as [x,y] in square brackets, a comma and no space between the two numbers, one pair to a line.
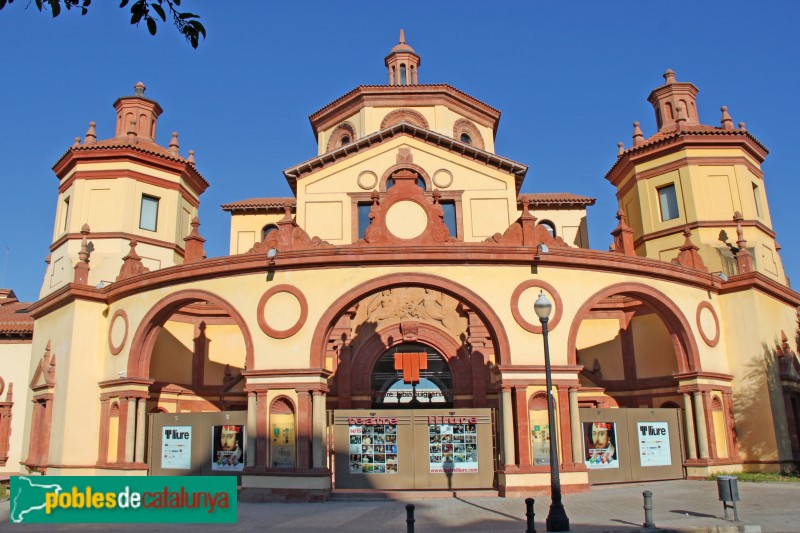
[404,115]
[345,129]
[119,314]
[515,311]
[714,339]
[462,126]
[262,304]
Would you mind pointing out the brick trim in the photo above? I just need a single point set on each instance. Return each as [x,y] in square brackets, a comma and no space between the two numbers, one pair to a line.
[539,284]
[118,314]
[301,320]
[709,340]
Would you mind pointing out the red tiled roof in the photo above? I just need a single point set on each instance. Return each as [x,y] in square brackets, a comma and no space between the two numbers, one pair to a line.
[671,132]
[251,204]
[552,199]
[409,88]
[14,318]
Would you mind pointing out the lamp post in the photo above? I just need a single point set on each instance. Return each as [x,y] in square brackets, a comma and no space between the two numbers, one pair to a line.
[557,519]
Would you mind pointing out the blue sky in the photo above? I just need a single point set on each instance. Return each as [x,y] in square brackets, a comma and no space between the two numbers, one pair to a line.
[569,78]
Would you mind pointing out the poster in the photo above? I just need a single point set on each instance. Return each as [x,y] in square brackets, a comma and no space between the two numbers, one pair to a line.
[176,447]
[541,444]
[453,448]
[227,448]
[654,447]
[600,445]
[282,443]
[373,449]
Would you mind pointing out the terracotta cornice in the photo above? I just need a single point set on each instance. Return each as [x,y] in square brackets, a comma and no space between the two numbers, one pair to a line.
[189,196]
[718,376]
[703,224]
[288,372]
[403,96]
[98,235]
[404,128]
[676,143]
[121,382]
[758,281]
[187,171]
[463,254]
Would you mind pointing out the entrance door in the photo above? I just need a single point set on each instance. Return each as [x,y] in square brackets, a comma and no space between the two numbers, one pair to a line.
[413,449]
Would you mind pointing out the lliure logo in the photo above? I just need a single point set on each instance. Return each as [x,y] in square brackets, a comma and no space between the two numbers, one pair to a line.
[79,499]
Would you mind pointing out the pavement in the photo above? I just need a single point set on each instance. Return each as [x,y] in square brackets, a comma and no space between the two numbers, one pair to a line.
[682,505]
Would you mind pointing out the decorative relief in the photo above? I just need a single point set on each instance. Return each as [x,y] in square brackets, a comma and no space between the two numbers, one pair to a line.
[289,236]
[404,115]
[341,133]
[409,305]
[301,319]
[705,309]
[520,315]
[525,232]
[367,180]
[118,331]
[443,178]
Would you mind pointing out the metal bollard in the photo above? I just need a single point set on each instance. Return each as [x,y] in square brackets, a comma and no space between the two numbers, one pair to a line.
[529,513]
[410,518]
[648,509]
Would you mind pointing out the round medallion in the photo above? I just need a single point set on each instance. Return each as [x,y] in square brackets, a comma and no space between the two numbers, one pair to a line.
[367,180]
[118,331]
[522,305]
[406,219]
[707,322]
[282,311]
[443,178]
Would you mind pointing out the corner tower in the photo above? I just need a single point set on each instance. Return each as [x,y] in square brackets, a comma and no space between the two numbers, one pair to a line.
[119,191]
[705,179]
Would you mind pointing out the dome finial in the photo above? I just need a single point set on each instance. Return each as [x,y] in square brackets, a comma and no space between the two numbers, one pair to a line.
[402,36]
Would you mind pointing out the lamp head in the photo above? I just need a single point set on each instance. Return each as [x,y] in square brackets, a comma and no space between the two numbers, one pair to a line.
[543,307]
[272,252]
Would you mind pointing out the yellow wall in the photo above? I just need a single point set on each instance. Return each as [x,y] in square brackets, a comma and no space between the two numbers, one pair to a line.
[15,364]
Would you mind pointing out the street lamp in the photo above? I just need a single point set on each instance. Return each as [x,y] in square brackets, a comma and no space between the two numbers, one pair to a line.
[557,519]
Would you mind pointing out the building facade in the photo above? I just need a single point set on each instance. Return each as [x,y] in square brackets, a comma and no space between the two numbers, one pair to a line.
[383,315]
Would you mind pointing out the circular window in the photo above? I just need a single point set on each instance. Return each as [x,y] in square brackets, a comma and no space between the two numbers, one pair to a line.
[466,139]
[389,386]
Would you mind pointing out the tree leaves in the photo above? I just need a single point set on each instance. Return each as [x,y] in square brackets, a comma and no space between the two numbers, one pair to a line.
[184,21]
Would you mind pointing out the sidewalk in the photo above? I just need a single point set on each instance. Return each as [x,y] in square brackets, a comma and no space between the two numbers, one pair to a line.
[678,506]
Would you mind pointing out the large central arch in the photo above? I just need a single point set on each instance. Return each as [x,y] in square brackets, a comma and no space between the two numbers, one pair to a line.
[493,323]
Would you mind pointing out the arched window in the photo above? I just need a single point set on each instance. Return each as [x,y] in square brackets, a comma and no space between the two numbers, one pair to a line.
[266,230]
[549,226]
[466,139]
[402,74]
[720,427]
[345,140]
[283,451]
[389,387]
[113,432]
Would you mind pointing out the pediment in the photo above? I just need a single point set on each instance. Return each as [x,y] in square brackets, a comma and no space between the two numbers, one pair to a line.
[45,373]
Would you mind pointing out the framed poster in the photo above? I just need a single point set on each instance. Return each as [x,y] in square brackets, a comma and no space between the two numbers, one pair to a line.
[654,447]
[453,448]
[282,443]
[227,448]
[600,445]
[176,447]
[373,448]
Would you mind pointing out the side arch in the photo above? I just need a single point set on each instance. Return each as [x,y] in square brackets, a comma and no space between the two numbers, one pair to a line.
[151,325]
[327,321]
[678,327]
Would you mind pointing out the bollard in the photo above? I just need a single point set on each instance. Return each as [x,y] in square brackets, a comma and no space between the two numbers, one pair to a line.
[410,518]
[529,513]
[648,509]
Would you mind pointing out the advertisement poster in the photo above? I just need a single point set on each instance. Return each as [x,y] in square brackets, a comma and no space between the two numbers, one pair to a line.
[176,447]
[373,449]
[541,444]
[227,448]
[600,445]
[453,448]
[282,443]
[654,444]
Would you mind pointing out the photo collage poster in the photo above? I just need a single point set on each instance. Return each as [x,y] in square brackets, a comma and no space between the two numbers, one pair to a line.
[600,445]
[453,448]
[373,449]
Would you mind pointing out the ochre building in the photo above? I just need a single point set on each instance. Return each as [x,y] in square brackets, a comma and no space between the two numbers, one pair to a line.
[376,330]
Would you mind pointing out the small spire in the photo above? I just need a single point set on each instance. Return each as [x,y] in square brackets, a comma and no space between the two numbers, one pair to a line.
[669,76]
[131,263]
[193,247]
[77,142]
[91,134]
[620,149]
[743,126]
[287,211]
[139,89]
[689,255]
[82,268]
[173,144]
[744,259]
[402,36]
[191,157]
[623,236]
[638,136]
[726,121]
[10,393]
